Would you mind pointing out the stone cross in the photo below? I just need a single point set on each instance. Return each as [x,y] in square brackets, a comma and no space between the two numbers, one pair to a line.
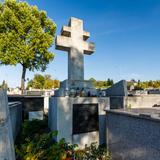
[73,39]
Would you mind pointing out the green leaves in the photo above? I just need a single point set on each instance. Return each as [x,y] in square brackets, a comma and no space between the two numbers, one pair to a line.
[36,143]
[43,82]
[26,34]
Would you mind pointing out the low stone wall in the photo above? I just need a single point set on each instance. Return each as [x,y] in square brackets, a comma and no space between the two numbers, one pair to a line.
[15,111]
[143,101]
[131,136]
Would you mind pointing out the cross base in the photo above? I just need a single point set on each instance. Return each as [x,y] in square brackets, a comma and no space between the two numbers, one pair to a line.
[76,88]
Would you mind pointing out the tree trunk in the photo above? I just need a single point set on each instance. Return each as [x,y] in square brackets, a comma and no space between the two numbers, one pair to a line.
[23,80]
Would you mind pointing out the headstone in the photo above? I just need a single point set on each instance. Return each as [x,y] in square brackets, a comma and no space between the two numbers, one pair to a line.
[118,89]
[6,137]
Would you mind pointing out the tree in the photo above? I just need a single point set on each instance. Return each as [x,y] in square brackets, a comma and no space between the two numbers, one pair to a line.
[43,82]
[110,82]
[56,83]
[37,82]
[49,83]
[26,34]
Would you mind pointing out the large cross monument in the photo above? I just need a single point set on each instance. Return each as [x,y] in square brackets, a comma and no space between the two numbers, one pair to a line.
[75,110]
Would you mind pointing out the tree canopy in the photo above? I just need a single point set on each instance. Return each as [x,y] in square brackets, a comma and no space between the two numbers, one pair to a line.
[26,34]
[102,84]
[43,82]
[139,85]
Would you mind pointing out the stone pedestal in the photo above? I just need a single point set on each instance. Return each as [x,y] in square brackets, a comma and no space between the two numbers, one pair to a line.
[61,119]
[68,85]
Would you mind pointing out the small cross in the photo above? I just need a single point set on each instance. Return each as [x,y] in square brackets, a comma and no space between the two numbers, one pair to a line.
[73,39]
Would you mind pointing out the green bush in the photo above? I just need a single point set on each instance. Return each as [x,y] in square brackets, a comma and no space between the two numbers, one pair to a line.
[36,143]
[93,152]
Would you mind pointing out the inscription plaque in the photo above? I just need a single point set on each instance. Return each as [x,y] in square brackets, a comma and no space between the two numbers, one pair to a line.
[85,118]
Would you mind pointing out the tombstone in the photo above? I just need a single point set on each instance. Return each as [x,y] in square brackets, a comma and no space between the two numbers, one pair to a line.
[118,89]
[117,93]
[6,137]
[75,111]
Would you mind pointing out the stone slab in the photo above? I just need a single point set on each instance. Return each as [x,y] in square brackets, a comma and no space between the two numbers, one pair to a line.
[132,136]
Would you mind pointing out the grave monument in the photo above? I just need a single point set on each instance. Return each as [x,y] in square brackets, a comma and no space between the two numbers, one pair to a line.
[76,111]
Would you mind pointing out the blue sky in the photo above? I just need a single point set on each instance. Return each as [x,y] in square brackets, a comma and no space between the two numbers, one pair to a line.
[126,34]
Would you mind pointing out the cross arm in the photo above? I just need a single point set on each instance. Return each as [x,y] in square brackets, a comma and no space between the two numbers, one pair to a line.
[66,31]
[89,48]
[86,35]
[63,43]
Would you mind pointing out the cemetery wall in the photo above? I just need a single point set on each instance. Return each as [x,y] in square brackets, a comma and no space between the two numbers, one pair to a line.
[143,101]
[132,137]
[15,111]
[29,103]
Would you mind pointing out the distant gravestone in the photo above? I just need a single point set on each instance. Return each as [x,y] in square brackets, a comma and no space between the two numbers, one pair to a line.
[6,137]
[118,89]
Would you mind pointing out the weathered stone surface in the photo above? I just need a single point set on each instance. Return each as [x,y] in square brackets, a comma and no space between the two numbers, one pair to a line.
[6,136]
[118,89]
[132,136]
